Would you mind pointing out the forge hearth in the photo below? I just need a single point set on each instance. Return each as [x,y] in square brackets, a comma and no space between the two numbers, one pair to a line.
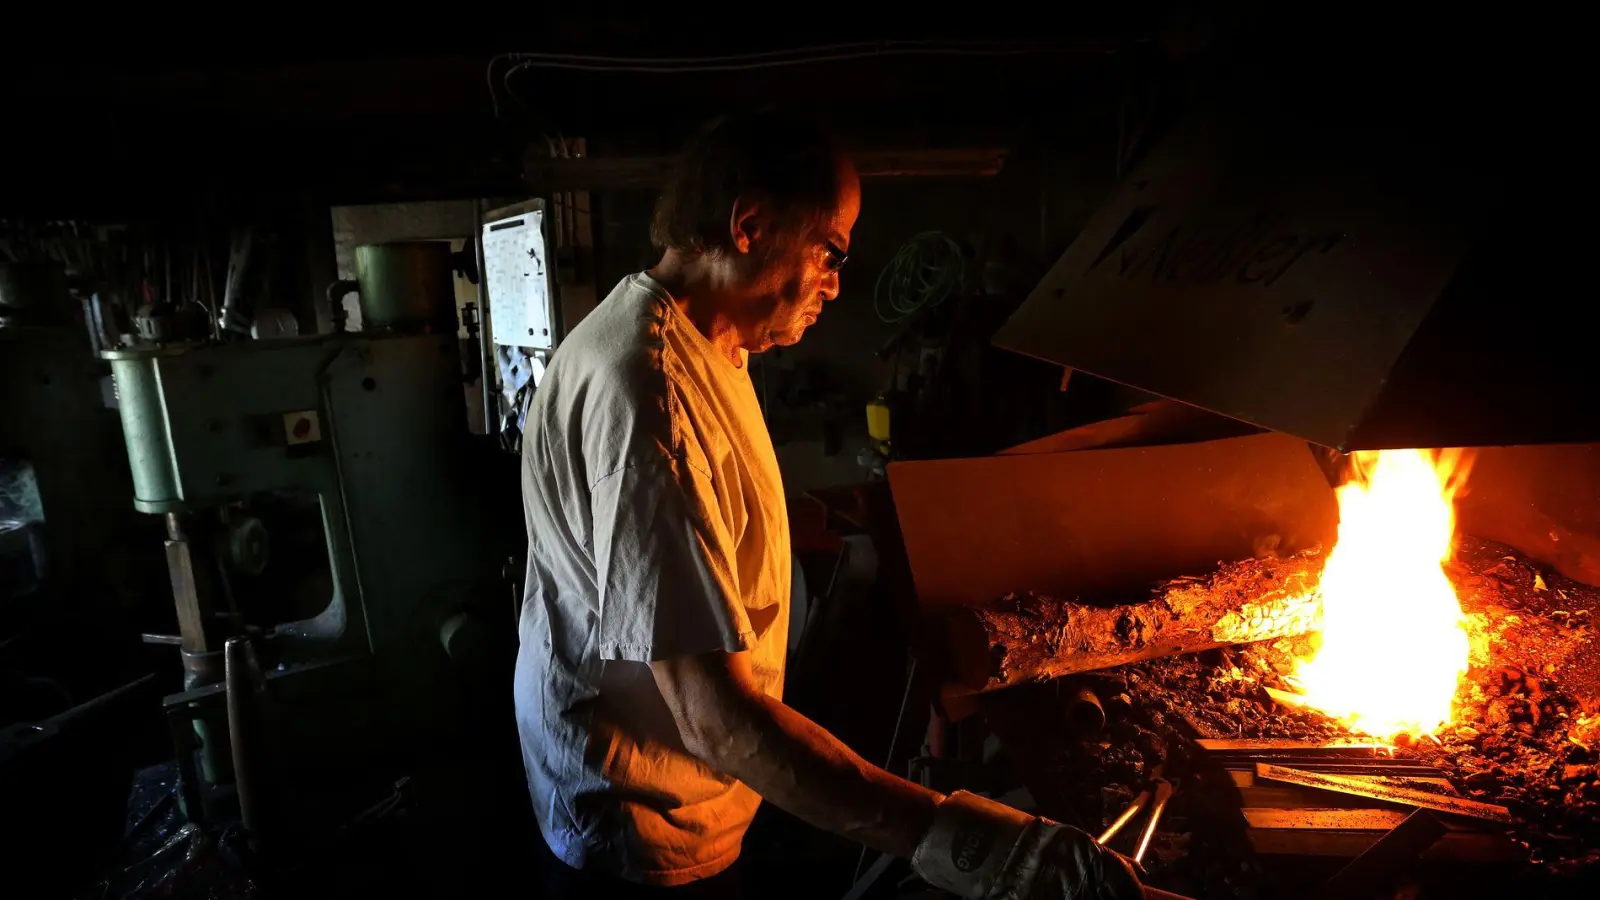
[1085,524]
[1524,737]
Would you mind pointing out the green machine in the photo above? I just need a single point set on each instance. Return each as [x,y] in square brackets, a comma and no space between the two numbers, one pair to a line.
[375,643]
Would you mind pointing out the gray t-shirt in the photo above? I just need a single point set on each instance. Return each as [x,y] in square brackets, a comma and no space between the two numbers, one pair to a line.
[656,529]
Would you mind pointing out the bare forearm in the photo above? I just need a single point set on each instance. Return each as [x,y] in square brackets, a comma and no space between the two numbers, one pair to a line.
[796,764]
[726,721]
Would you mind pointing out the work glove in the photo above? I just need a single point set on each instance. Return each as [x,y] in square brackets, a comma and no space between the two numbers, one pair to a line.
[984,850]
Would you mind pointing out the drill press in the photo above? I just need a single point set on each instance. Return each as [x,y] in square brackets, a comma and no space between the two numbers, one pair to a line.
[367,432]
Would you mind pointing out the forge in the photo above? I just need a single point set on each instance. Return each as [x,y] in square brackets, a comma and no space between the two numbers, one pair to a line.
[1481,709]
[1210,679]
[1332,588]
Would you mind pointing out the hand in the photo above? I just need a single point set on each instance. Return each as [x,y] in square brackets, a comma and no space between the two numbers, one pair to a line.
[1074,866]
[978,848]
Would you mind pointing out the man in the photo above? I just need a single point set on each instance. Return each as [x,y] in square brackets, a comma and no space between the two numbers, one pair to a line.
[655,618]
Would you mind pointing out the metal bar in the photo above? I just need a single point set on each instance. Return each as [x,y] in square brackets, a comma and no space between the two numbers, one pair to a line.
[899,720]
[869,879]
[245,732]
[1163,794]
[207,692]
[1284,745]
[1379,865]
[1342,767]
[96,704]
[20,737]
[1327,757]
[1324,819]
[1286,796]
[1376,790]
[1134,807]
[186,592]
[1127,816]
[486,352]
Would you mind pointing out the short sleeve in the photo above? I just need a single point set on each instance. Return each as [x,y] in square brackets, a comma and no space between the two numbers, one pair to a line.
[664,565]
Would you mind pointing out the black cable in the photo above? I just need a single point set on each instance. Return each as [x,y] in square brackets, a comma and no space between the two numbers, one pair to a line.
[799,56]
[823,52]
[668,67]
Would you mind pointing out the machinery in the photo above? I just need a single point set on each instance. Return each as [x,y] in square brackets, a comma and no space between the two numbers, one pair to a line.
[322,509]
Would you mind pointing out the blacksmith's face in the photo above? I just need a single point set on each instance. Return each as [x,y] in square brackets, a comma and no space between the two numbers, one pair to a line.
[791,281]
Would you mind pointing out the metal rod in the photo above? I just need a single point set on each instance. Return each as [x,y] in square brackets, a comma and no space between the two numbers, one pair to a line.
[485,338]
[244,732]
[1133,808]
[899,720]
[1163,794]
[1126,817]
[1340,746]
[97,704]
[1350,784]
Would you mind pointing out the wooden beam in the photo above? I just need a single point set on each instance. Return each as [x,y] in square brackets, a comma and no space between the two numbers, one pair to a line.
[602,173]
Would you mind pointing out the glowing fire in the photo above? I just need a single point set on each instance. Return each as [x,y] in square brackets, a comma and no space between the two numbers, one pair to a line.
[1393,645]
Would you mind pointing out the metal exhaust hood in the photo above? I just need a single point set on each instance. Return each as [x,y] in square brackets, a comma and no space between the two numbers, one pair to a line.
[1359,279]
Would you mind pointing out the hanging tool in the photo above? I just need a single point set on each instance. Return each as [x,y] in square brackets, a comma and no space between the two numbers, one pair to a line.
[235,316]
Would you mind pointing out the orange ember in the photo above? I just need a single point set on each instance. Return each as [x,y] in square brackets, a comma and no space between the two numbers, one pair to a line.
[1393,644]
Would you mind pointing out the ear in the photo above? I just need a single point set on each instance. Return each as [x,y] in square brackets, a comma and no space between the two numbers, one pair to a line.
[746,224]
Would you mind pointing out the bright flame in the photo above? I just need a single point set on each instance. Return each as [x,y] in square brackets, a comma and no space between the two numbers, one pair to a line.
[1393,641]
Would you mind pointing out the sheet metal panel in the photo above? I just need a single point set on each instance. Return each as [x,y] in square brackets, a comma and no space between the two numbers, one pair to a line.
[1273,275]
[1363,271]
[1101,523]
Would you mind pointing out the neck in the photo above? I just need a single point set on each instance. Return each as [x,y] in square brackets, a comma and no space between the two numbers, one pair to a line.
[702,295]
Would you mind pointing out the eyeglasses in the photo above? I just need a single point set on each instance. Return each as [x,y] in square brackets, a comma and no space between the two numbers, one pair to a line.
[836,257]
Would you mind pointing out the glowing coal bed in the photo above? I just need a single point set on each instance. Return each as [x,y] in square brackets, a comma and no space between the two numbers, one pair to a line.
[1524,733]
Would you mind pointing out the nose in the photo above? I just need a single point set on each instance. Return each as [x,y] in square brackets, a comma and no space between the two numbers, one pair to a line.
[829,288]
